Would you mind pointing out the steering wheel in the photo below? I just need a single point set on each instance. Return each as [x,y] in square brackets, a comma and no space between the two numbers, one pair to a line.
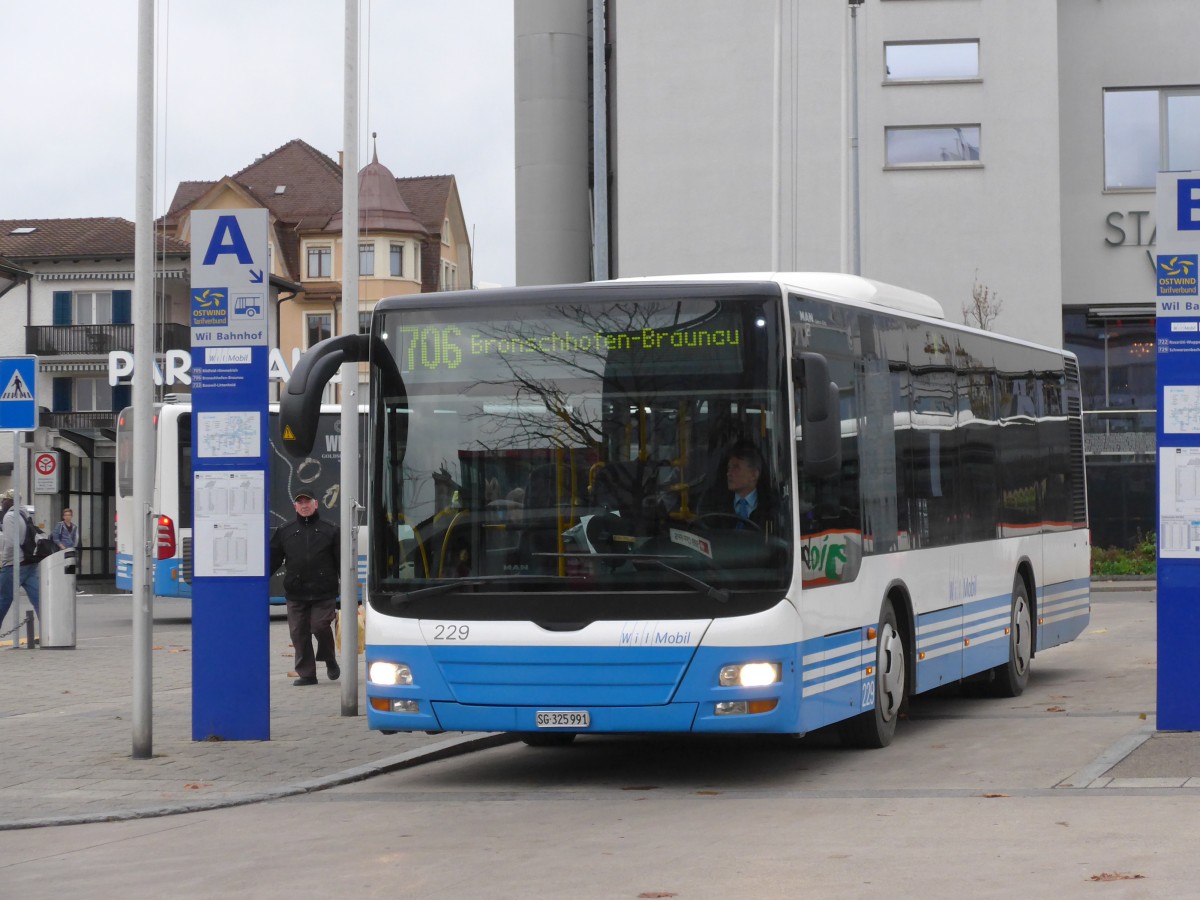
[707,518]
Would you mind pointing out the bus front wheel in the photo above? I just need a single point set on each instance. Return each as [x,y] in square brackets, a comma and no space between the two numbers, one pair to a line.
[876,727]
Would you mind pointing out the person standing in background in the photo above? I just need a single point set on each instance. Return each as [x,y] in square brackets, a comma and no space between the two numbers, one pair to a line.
[10,544]
[65,535]
[311,547]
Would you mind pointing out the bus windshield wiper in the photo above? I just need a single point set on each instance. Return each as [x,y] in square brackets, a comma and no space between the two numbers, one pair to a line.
[710,591]
[446,587]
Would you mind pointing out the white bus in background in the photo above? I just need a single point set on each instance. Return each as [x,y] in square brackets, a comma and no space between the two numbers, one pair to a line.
[554,549]
[319,471]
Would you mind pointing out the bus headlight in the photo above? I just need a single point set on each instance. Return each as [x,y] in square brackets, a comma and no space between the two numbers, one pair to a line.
[389,674]
[754,674]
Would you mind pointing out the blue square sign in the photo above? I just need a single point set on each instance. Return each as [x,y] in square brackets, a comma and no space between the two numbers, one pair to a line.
[1177,275]
[210,307]
[18,394]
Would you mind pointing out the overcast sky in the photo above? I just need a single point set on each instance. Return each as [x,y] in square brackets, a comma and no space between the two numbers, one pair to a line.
[238,78]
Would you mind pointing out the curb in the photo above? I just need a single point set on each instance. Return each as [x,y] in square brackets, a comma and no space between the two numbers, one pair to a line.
[448,749]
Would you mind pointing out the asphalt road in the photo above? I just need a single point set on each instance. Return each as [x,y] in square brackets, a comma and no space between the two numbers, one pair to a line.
[976,797]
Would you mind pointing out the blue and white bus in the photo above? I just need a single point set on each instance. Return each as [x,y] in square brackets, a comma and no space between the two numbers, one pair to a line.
[554,549]
[319,470]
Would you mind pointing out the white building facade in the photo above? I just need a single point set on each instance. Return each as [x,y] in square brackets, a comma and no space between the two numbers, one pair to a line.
[1005,147]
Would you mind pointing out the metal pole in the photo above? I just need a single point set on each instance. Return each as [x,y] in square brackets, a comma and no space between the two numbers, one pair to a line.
[143,388]
[600,264]
[16,543]
[855,224]
[776,127]
[1106,400]
[349,445]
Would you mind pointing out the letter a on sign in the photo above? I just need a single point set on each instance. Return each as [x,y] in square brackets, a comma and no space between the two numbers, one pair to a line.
[227,238]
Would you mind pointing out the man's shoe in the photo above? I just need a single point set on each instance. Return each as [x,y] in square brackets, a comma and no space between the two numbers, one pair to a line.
[334,671]
[301,682]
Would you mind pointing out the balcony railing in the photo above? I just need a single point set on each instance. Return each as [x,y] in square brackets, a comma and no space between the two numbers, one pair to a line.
[78,421]
[1119,431]
[98,340]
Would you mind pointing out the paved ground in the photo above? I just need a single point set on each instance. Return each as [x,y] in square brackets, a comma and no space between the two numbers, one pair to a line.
[66,730]
[66,733]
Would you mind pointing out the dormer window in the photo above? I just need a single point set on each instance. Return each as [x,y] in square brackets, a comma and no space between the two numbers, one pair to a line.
[320,262]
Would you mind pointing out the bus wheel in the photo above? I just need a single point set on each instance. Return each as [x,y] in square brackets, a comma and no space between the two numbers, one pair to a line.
[876,727]
[555,739]
[1009,679]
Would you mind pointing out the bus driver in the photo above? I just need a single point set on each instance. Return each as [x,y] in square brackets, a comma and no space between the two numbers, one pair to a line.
[743,472]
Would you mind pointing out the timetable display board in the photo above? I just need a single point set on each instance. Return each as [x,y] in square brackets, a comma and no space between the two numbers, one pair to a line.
[230,588]
[1177,286]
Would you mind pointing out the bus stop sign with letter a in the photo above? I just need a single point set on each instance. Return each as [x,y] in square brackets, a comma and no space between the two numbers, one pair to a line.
[230,347]
[1178,336]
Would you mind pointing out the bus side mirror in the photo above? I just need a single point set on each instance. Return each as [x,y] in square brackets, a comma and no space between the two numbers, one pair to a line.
[821,426]
[300,404]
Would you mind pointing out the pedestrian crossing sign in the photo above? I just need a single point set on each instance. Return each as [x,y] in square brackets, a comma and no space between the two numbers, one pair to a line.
[18,393]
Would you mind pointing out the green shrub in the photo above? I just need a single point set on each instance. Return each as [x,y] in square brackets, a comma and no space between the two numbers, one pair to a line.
[1142,559]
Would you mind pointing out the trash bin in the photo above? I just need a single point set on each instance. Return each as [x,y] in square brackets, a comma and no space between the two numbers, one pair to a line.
[57,580]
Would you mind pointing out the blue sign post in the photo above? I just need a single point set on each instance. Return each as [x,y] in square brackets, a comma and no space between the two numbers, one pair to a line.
[231,696]
[18,412]
[1178,334]
[18,393]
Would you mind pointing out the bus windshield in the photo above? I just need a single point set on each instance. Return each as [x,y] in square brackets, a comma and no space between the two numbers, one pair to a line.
[573,460]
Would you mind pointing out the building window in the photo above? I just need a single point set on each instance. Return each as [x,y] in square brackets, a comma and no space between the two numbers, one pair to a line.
[416,262]
[319,326]
[396,255]
[93,308]
[1147,132]
[92,395]
[366,259]
[449,276]
[320,262]
[955,145]
[446,232]
[364,321]
[931,61]
[1117,351]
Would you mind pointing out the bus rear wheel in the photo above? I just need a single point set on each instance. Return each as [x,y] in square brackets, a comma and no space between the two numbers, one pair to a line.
[1009,679]
[876,727]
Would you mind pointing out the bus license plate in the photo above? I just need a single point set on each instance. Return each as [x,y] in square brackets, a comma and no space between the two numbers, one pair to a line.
[572,718]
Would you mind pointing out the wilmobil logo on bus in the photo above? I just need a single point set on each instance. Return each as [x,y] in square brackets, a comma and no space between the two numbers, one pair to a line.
[649,635]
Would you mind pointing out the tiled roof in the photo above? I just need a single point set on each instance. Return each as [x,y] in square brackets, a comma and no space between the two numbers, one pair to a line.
[311,197]
[380,204]
[427,196]
[69,238]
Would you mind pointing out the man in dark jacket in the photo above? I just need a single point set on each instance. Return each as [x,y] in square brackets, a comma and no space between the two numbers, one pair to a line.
[312,550]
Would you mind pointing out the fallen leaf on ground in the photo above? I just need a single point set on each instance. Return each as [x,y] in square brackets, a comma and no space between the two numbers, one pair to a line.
[1055,709]
[657,894]
[995,795]
[1116,876]
[195,786]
